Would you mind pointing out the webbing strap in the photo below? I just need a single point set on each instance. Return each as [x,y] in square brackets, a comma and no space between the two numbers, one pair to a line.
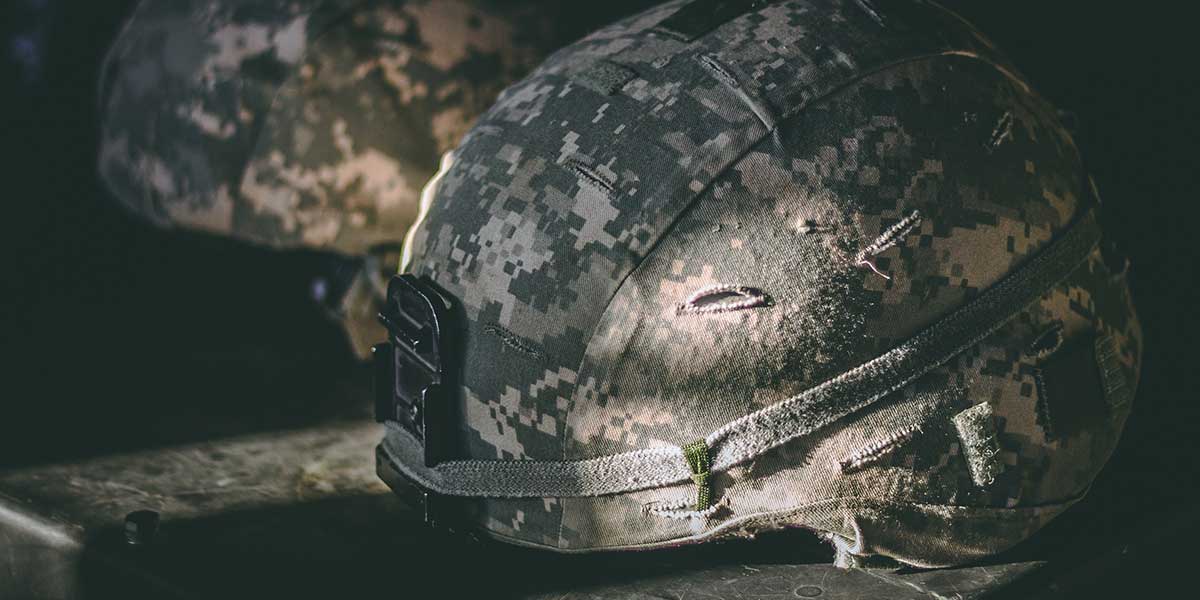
[760,431]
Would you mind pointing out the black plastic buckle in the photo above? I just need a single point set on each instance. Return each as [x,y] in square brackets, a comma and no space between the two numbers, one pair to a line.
[420,499]
[415,368]
[442,513]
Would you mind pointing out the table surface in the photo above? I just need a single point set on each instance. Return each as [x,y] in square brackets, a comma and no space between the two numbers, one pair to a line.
[301,513]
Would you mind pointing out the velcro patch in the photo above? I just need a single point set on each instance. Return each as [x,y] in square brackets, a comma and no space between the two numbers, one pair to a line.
[977,432]
[702,16]
[1117,392]
[1071,389]
[605,77]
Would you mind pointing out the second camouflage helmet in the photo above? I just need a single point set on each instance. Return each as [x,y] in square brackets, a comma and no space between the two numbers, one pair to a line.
[308,123]
[726,267]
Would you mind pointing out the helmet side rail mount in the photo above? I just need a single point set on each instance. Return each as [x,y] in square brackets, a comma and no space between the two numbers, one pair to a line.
[416,371]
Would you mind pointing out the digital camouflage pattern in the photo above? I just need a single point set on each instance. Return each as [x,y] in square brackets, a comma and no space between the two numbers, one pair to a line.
[867,169]
[308,123]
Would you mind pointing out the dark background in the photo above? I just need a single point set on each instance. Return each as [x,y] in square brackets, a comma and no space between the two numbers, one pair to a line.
[116,336]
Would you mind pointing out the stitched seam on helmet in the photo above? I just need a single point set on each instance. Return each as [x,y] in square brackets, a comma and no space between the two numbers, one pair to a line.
[678,510]
[513,341]
[589,176]
[871,12]
[1003,130]
[1042,408]
[746,297]
[892,236]
[747,94]
[879,448]
[1046,343]
[710,62]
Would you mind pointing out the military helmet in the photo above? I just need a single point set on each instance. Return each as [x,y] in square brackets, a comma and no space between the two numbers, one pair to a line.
[725,267]
[308,123]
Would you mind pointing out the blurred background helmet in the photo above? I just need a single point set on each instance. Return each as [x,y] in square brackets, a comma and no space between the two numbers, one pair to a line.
[308,123]
[311,124]
[728,267]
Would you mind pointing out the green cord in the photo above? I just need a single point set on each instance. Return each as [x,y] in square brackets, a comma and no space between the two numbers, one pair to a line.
[696,454]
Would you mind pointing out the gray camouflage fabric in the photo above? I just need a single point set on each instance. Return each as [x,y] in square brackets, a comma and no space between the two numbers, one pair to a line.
[863,170]
[308,123]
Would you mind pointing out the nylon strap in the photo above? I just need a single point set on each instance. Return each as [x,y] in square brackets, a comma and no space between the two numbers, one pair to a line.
[760,431]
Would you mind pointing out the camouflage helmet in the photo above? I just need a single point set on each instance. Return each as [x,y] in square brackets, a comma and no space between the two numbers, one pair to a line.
[307,123]
[726,267]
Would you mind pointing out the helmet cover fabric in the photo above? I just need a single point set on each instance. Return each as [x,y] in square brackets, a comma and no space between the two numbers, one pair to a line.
[655,235]
[307,123]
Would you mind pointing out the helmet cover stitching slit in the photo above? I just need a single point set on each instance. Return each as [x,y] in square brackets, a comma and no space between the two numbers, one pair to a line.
[513,341]
[890,237]
[878,449]
[1047,342]
[722,298]
[866,7]
[590,176]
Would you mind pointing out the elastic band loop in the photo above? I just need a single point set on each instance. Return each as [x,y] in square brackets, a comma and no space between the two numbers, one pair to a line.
[696,454]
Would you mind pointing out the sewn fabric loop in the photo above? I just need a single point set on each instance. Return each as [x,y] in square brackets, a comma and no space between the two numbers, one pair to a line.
[696,454]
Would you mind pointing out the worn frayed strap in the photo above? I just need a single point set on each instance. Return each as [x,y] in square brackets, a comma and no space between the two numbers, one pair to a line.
[696,454]
[770,427]
[977,433]
[605,77]
[638,470]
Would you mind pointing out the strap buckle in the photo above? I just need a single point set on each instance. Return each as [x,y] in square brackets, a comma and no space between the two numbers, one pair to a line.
[444,514]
